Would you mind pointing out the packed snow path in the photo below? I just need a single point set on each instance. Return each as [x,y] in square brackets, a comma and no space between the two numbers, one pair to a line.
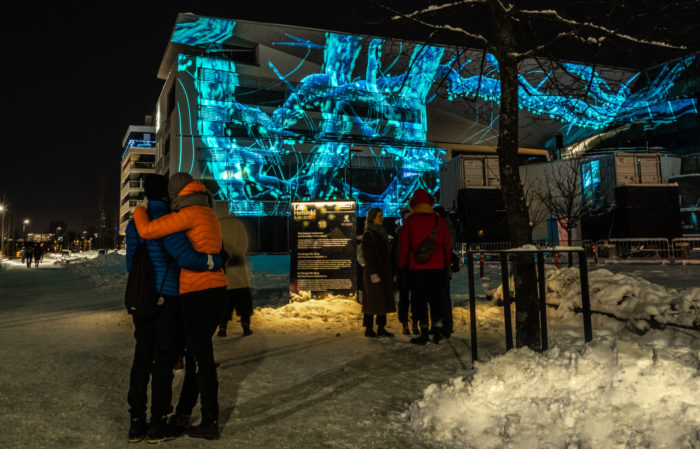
[66,353]
[308,378]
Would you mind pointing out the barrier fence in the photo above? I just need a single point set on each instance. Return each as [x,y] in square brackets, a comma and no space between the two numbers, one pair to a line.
[623,250]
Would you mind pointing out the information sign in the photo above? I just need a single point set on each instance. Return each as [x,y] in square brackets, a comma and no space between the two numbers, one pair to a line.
[323,247]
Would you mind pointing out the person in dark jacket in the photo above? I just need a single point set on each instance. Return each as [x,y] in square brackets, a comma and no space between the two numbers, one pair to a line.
[29,255]
[403,286]
[378,278]
[157,337]
[38,253]
[427,279]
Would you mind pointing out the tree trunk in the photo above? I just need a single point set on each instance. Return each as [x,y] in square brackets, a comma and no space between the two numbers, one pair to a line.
[527,312]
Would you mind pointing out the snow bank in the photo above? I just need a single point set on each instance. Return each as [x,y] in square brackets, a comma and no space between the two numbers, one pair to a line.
[624,296]
[613,394]
[104,270]
[330,309]
[627,297]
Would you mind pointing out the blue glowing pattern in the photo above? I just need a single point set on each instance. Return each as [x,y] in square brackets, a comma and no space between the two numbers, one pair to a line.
[300,147]
[204,31]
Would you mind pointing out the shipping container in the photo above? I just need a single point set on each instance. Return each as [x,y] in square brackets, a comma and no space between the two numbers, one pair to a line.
[466,171]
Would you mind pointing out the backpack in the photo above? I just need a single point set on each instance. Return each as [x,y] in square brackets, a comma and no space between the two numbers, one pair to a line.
[426,248]
[142,298]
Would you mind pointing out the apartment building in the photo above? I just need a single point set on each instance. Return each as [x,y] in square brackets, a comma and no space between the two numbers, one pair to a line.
[138,160]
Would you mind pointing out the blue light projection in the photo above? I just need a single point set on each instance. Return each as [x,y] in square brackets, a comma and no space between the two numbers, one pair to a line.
[300,146]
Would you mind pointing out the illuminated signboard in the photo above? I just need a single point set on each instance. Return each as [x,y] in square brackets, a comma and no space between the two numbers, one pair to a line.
[323,247]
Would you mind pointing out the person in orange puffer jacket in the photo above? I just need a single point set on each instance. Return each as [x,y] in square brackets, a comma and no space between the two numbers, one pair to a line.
[203,293]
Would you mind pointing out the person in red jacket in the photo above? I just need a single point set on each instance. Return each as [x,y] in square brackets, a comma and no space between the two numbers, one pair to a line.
[427,279]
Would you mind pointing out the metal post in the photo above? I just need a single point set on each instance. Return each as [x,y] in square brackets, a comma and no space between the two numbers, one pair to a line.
[472,304]
[543,302]
[585,297]
[506,300]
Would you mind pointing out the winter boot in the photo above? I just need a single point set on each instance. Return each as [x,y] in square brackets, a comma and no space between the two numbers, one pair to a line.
[138,429]
[179,423]
[405,330]
[369,332]
[246,328]
[161,431]
[437,334]
[423,338]
[381,332]
[209,431]
[222,329]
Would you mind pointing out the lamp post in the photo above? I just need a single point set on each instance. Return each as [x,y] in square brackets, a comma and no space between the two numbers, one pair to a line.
[2,233]
[24,228]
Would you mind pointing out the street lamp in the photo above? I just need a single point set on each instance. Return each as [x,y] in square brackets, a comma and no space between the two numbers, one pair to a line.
[2,233]
[24,228]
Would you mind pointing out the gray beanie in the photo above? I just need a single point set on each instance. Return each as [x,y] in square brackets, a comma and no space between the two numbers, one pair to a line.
[177,182]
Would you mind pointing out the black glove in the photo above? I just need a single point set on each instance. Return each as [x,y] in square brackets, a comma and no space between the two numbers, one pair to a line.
[224,256]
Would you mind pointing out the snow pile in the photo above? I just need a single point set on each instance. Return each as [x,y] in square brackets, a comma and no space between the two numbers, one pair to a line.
[624,296]
[613,394]
[103,270]
[331,309]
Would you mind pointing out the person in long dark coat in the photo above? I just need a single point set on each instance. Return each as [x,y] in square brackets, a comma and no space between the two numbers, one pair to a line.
[377,276]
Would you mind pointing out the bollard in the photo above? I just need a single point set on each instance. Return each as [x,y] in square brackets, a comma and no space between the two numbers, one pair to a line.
[482,257]
[543,301]
[585,297]
[472,304]
[595,253]
[506,300]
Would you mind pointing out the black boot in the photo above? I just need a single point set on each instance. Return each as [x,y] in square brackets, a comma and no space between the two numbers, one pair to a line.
[423,338]
[406,330]
[381,332]
[437,334]
[209,431]
[246,328]
[161,431]
[138,429]
[369,332]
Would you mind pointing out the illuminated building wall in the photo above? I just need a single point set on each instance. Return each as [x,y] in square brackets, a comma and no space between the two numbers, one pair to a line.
[326,116]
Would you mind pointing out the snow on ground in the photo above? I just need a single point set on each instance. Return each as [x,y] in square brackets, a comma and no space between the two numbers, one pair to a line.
[308,378]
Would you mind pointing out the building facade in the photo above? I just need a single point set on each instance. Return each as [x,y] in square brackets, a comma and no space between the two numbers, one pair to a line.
[138,160]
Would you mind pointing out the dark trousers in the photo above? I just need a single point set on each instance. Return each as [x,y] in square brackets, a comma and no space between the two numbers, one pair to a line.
[427,288]
[239,300]
[202,312]
[368,319]
[404,296]
[155,354]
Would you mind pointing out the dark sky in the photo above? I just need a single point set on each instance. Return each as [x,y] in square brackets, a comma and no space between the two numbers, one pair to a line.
[79,76]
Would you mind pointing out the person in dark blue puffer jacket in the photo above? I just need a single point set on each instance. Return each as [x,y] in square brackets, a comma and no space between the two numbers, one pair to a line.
[159,338]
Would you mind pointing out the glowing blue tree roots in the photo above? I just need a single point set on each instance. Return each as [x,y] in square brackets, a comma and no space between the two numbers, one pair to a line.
[301,149]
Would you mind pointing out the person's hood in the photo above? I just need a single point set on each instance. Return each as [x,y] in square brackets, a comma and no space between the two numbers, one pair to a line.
[221,210]
[422,208]
[420,196]
[193,187]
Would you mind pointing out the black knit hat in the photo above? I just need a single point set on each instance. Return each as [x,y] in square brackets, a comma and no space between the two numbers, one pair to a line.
[156,187]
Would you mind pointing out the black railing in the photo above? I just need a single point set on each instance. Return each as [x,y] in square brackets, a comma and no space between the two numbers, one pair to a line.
[542,303]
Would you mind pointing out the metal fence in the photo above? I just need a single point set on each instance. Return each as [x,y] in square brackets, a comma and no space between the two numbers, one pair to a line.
[628,250]
[686,250]
[649,250]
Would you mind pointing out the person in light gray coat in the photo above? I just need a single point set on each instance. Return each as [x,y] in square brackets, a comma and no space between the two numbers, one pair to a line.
[239,298]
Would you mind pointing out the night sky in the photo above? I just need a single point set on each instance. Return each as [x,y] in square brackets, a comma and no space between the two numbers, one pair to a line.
[79,76]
